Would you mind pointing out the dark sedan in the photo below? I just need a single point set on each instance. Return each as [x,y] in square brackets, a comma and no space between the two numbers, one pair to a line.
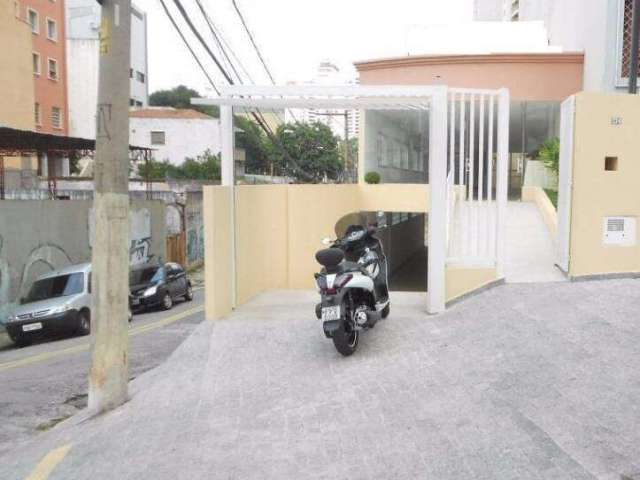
[159,286]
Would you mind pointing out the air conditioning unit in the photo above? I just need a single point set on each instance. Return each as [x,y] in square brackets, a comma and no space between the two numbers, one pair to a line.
[619,231]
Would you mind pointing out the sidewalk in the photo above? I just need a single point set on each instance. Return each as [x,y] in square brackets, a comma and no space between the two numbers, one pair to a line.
[522,382]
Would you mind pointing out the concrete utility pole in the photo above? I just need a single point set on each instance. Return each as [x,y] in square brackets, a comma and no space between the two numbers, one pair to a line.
[110,262]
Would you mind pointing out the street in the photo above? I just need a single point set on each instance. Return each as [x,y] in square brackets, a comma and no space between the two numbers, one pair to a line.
[45,383]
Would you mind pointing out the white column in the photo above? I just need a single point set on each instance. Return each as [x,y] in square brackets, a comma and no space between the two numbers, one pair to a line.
[502,176]
[438,201]
[227,171]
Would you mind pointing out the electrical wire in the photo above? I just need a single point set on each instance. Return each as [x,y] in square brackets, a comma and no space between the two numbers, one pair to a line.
[175,25]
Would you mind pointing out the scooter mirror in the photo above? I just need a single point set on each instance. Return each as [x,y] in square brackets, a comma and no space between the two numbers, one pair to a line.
[327,241]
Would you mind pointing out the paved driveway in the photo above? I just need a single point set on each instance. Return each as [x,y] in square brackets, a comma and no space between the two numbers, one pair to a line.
[522,382]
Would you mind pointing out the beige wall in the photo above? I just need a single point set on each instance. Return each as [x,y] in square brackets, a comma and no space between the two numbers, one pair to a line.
[280,228]
[16,80]
[549,215]
[598,193]
[218,251]
[533,77]
[460,281]
[261,239]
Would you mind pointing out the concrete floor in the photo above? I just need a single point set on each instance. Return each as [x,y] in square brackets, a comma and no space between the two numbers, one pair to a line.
[531,250]
[522,381]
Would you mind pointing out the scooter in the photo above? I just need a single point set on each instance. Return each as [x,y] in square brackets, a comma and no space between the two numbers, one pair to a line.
[353,287]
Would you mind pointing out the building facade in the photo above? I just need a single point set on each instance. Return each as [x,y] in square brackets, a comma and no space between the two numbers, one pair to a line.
[174,134]
[83,19]
[602,31]
[340,121]
[16,82]
[47,23]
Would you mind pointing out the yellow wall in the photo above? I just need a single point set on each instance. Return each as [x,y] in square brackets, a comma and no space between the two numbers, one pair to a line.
[261,239]
[218,251]
[549,215]
[16,79]
[460,281]
[280,228]
[598,193]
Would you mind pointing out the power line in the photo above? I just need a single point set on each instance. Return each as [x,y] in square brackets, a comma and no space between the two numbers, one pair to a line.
[217,39]
[204,44]
[255,46]
[175,25]
[227,77]
[253,42]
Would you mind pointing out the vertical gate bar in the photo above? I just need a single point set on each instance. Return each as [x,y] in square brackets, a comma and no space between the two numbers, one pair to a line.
[481,152]
[472,133]
[501,179]
[480,224]
[452,133]
[490,204]
[436,293]
[461,142]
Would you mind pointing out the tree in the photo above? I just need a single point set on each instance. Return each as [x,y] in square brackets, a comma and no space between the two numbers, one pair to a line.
[255,144]
[308,153]
[203,167]
[180,97]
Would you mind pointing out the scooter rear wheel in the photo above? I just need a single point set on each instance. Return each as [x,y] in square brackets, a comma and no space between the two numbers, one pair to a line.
[346,342]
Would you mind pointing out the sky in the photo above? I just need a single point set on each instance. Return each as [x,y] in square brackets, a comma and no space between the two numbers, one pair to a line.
[293,35]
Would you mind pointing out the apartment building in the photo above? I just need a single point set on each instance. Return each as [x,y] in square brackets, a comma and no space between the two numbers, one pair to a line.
[83,20]
[599,28]
[46,19]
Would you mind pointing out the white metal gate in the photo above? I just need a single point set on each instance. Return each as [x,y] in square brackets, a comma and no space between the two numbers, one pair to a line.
[567,120]
[477,177]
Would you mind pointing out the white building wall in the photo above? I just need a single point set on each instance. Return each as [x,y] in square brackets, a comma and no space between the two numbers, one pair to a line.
[183,137]
[83,23]
[590,26]
[82,86]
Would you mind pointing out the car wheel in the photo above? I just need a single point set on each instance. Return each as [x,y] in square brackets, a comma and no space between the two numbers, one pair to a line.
[167,302]
[188,296]
[20,341]
[84,323]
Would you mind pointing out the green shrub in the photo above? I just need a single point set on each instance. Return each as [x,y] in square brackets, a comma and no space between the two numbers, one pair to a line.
[550,154]
[372,177]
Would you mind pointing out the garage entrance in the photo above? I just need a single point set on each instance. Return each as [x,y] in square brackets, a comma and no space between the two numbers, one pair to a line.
[459,150]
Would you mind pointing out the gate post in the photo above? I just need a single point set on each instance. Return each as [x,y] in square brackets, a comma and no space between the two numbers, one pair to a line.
[228,177]
[502,179]
[436,292]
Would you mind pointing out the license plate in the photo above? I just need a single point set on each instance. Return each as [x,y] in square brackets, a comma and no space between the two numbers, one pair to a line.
[135,302]
[331,313]
[32,326]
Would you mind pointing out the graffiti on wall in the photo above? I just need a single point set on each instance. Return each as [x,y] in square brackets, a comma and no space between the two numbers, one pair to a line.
[41,259]
[195,234]
[139,234]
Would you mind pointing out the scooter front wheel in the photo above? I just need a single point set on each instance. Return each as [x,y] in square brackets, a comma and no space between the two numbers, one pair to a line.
[346,342]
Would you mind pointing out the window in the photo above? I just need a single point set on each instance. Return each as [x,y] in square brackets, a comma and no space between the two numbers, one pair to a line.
[131,73]
[611,164]
[56,117]
[140,77]
[157,138]
[38,115]
[53,69]
[34,20]
[624,41]
[52,30]
[138,104]
[36,63]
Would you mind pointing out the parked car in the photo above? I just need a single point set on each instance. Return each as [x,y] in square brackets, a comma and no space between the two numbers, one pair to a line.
[57,302]
[156,285]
